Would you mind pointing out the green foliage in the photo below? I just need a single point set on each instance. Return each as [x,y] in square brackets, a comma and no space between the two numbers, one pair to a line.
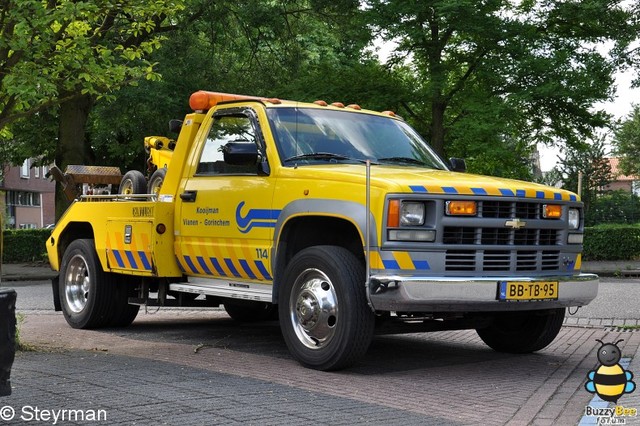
[616,207]
[612,242]
[588,159]
[25,245]
[53,51]
[627,142]
[486,73]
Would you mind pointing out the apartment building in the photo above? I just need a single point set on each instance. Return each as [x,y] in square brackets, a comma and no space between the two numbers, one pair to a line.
[29,196]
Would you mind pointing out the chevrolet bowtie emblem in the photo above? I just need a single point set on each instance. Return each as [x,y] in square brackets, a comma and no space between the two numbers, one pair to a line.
[515,224]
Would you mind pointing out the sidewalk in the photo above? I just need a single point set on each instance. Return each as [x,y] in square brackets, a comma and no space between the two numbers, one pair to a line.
[42,271]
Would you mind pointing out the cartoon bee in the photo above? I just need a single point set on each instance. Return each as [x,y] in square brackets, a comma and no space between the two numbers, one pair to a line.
[610,380]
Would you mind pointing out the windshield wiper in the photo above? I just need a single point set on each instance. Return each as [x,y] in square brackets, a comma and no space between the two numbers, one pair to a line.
[405,160]
[322,156]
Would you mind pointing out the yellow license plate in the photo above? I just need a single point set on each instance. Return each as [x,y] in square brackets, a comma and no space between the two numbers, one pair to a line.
[525,290]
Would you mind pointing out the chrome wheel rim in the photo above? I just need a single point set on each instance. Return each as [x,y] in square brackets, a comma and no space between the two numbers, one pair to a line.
[77,284]
[313,309]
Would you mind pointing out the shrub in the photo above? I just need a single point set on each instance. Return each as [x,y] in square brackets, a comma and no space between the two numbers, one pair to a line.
[615,207]
[25,245]
[612,242]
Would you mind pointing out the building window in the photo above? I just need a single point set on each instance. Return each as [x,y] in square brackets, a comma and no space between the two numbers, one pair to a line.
[24,169]
[23,198]
[36,171]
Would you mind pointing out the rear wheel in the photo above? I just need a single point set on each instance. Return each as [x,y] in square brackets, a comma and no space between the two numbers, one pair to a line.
[86,291]
[133,182]
[522,332]
[323,311]
[248,311]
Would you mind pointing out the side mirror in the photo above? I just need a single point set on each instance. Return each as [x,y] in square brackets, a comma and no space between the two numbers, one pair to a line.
[240,153]
[175,126]
[458,164]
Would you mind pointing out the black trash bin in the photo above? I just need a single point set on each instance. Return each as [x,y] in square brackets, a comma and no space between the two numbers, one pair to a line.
[7,338]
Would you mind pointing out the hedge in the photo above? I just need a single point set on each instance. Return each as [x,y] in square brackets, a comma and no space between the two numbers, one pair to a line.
[612,242]
[25,245]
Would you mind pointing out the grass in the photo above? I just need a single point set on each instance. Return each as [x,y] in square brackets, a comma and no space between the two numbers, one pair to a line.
[20,345]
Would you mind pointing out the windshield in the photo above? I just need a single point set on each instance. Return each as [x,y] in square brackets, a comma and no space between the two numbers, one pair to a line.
[315,136]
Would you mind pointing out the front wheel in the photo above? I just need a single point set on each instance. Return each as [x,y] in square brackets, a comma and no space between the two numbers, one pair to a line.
[324,316]
[522,332]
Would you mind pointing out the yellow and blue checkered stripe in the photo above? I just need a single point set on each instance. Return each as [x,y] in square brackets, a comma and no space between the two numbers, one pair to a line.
[500,192]
[398,260]
[224,258]
[133,256]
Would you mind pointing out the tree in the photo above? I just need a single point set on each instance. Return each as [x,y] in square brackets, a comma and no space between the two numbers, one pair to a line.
[66,54]
[590,161]
[530,70]
[627,143]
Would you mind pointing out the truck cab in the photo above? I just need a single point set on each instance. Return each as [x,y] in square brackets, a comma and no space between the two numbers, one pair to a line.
[336,220]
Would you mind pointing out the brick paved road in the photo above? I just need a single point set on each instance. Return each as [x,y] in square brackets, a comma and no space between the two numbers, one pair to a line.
[202,368]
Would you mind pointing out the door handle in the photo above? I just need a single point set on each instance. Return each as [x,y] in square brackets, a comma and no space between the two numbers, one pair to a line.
[189,196]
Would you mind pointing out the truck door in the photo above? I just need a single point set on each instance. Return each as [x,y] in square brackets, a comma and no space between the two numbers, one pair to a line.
[226,223]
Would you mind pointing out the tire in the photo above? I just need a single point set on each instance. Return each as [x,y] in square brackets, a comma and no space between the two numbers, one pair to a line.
[522,332]
[249,311]
[122,313]
[133,182]
[86,291]
[324,315]
[156,180]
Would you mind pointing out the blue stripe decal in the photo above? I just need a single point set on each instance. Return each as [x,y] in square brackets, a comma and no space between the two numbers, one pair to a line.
[557,196]
[573,198]
[247,269]
[540,194]
[180,265]
[418,188]
[262,269]
[232,268]
[521,193]
[216,265]
[449,190]
[145,261]
[479,191]
[132,260]
[204,265]
[390,264]
[191,265]
[116,254]
[421,264]
[506,192]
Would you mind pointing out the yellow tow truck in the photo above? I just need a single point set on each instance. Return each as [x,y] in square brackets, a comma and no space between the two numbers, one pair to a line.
[338,221]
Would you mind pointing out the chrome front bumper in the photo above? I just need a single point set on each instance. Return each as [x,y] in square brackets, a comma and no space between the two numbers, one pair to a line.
[467,294]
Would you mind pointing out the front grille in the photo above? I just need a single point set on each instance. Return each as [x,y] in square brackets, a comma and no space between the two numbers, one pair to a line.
[464,235]
[502,260]
[509,209]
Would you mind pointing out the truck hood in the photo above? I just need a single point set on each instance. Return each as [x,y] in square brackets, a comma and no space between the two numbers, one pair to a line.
[425,181]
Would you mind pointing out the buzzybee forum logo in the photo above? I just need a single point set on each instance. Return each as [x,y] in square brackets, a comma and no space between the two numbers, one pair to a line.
[610,381]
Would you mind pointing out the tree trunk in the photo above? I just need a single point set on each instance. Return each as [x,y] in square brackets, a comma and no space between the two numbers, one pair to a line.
[71,140]
[437,126]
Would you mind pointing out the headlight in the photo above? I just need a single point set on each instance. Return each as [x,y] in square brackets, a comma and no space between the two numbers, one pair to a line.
[411,214]
[574,218]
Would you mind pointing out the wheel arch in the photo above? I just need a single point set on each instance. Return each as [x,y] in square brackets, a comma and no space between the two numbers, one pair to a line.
[73,231]
[302,231]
